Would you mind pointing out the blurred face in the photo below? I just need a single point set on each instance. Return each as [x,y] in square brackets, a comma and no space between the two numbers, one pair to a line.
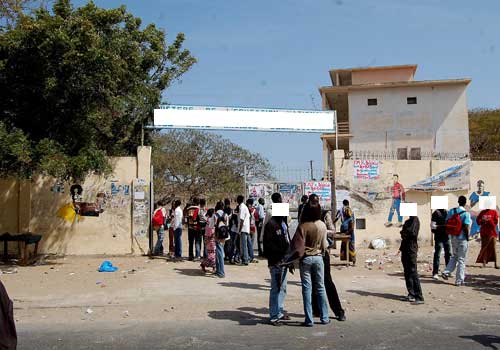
[395,179]
[480,187]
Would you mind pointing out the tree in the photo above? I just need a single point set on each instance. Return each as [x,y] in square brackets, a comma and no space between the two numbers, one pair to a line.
[79,84]
[484,133]
[192,162]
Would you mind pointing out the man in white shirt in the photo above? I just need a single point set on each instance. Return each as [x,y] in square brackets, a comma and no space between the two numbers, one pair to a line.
[260,224]
[178,229]
[243,229]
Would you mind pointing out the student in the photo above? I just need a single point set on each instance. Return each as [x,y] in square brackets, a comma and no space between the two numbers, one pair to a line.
[159,219]
[221,236]
[253,230]
[459,241]
[441,240]
[488,221]
[261,213]
[276,242]
[409,252]
[243,229]
[202,222]
[170,227]
[303,201]
[308,245]
[194,230]
[178,217]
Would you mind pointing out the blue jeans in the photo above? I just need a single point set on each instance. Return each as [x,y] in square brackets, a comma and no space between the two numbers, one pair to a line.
[312,268]
[250,240]
[233,251]
[395,206]
[219,259]
[159,243]
[194,240]
[277,293]
[244,247]
[459,255]
[178,242]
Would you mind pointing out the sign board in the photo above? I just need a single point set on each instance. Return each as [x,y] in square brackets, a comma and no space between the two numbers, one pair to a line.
[243,119]
[322,188]
[290,193]
[366,169]
[455,178]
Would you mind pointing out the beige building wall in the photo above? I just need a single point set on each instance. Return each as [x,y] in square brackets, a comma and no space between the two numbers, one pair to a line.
[382,75]
[434,124]
[34,207]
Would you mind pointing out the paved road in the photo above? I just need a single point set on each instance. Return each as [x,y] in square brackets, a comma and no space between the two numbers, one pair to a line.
[242,329]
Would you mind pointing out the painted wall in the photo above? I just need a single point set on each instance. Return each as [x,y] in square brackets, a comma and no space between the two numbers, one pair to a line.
[371,199]
[382,76]
[42,202]
[434,124]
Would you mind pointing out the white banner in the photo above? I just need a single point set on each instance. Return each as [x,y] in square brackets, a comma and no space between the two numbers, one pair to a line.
[455,178]
[243,119]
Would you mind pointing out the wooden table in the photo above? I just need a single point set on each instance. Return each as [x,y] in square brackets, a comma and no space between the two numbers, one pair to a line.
[23,241]
[344,238]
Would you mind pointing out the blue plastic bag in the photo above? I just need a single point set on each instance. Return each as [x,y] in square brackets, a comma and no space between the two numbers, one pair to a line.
[107,266]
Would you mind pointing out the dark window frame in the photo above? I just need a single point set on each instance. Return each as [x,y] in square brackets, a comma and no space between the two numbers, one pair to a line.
[411,100]
[372,102]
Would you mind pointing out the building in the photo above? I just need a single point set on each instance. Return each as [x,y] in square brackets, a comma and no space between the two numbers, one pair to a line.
[384,110]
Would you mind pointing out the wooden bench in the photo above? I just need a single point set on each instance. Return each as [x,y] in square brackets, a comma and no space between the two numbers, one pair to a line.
[23,240]
[343,238]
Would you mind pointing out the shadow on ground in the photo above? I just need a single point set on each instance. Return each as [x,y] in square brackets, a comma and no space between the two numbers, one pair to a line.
[244,285]
[378,295]
[485,340]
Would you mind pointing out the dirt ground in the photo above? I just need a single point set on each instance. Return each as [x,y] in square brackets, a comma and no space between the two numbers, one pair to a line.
[70,289]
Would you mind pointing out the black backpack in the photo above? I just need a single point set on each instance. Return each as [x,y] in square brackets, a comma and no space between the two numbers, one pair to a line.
[221,230]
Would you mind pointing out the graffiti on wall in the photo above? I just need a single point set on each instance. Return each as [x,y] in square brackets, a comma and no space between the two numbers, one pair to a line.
[366,169]
[455,178]
[290,193]
[140,208]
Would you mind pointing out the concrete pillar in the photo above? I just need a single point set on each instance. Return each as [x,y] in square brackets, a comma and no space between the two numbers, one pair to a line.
[144,162]
[326,158]
[24,209]
[141,217]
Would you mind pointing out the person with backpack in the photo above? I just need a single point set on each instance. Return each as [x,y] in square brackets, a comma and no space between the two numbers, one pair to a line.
[488,222]
[441,240]
[347,228]
[228,244]
[194,230]
[221,236]
[159,219]
[209,260]
[260,216]
[458,223]
[276,243]
[253,230]
[177,225]
[234,223]
[202,222]
[409,252]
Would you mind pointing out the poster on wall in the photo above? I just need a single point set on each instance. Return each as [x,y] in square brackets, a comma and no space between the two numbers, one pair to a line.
[455,178]
[140,208]
[290,193]
[260,190]
[322,188]
[366,169]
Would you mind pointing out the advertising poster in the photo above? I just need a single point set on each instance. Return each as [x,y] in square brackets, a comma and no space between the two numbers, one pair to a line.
[322,188]
[290,193]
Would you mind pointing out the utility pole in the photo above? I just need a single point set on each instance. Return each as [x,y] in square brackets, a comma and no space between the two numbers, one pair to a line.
[245,180]
[311,166]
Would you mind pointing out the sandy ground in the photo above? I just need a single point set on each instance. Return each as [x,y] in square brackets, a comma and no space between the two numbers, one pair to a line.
[70,290]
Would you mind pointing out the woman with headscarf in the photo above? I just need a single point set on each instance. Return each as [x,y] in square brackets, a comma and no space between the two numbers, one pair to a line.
[347,228]
[488,221]
[409,251]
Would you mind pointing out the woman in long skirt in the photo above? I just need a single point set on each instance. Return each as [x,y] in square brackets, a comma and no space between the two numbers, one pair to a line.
[488,220]
[209,261]
[347,228]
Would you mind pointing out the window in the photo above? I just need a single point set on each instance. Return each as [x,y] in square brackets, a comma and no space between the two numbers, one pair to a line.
[372,102]
[415,153]
[411,100]
[360,224]
[402,153]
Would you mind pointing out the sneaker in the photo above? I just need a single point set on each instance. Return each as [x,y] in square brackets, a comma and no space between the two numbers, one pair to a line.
[254,261]
[458,284]
[220,276]
[418,302]
[276,322]
[341,317]
[325,322]
[303,324]
[409,298]
[388,224]
[445,275]
[435,277]
[285,317]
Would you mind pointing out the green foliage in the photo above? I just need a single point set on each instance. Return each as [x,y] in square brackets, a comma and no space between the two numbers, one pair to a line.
[484,131]
[192,162]
[79,84]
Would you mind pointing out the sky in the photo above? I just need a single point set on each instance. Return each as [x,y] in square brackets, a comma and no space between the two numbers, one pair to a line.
[270,53]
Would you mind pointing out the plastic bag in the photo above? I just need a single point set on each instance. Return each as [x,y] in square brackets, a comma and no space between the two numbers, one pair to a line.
[377,243]
[107,266]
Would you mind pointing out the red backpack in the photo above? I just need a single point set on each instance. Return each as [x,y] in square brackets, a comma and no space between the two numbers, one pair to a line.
[454,224]
[158,217]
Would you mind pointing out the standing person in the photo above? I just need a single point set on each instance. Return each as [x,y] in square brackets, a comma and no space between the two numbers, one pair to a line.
[347,228]
[209,261]
[276,242]
[8,334]
[202,222]
[398,196]
[194,232]
[228,245]
[458,224]
[158,221]
[178,218]
[221,236]
[253,230]
[234,223]
[473,200]
[441,240]
[170,227]
[261,212]
[409,251]
[303,201]
[488,220]
[243,229]
[308,245]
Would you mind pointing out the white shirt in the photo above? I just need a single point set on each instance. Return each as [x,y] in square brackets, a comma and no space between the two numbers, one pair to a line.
[245,216]
[178,218]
